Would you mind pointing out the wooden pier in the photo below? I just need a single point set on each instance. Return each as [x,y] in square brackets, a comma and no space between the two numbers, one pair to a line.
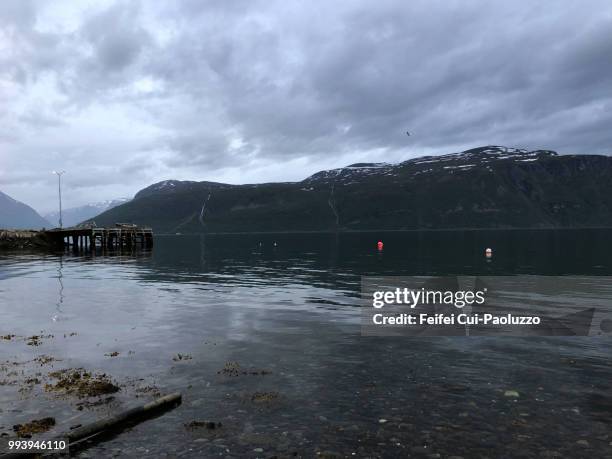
[88,238]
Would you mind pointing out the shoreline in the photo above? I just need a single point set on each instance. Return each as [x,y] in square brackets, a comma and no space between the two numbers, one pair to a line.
[24,239]
[28,239]
[412,230]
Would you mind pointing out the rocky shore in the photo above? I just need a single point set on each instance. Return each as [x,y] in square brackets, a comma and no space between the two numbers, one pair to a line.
[23,239]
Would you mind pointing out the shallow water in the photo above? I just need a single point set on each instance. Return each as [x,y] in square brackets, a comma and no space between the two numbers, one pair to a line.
[236,304]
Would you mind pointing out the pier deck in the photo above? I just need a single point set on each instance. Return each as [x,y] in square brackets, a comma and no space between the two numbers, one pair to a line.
[121,236]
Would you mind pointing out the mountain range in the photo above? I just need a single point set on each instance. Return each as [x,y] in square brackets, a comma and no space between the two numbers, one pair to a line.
[75,215]
[17,215]
[485,187]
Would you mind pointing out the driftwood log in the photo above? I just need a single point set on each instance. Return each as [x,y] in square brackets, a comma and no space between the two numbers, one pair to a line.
[117,420]
[114,422]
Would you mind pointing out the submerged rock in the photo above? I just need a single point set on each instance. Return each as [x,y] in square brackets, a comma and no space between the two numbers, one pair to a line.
[210,425]
[34,427]
[82,383]
[263,397]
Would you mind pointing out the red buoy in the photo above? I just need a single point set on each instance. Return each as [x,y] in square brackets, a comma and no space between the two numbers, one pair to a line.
[380,245]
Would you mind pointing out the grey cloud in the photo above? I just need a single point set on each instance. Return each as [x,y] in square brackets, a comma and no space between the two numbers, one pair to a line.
[216,85]
[116,37]
[17,13]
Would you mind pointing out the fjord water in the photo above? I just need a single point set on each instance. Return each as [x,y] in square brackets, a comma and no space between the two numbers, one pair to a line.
[268,332]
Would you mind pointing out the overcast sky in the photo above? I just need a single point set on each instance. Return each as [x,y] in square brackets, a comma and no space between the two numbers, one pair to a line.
[121,94]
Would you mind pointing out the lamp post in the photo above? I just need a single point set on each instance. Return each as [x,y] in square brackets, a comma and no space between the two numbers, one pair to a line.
[59,190]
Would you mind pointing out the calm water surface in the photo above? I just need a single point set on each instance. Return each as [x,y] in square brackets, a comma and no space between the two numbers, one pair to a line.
[231,305]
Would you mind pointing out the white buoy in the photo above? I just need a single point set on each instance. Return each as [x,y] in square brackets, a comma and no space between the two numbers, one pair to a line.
[488,252]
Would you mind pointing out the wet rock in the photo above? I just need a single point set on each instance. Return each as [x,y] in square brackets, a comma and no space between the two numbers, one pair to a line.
[234,369]
[36,340]
[264,397]
[230,369]
[45,359]
[210,425]
[179,357]
[82,383]
[34,427]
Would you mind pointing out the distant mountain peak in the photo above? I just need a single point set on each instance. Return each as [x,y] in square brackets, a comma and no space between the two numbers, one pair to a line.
[74,215]
[17,215]
[171,184]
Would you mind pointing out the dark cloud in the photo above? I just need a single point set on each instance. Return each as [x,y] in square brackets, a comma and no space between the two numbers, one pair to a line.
[194,89]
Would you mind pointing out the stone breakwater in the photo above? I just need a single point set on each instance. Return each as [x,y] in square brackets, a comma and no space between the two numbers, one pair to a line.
[23,239]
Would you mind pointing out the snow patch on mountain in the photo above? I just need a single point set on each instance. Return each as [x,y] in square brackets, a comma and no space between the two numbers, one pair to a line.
[463,161]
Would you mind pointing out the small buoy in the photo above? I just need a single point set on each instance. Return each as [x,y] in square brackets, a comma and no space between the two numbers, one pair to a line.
[380,245]
[275,244]
[488,252]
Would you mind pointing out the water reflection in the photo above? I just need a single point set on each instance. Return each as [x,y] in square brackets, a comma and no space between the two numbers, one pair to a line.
[60,295]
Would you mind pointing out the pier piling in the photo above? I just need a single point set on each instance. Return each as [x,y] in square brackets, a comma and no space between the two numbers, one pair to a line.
[88,238]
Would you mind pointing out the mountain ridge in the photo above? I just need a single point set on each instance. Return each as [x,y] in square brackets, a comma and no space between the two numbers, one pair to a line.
[484,187]
[17,215]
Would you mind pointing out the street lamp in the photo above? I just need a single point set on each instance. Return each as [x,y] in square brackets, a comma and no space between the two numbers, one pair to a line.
[59,189]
